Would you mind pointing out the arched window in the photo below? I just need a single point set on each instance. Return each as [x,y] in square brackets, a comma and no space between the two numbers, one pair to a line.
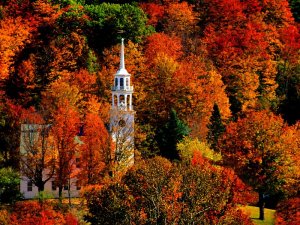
[121,83]
[127,82]
[116,82]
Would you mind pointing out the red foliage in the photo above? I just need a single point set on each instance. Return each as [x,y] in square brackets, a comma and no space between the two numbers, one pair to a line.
[155,12]
[288,212]
[290,37]
[71,219]
[198,159]
[225,12]
[32,212]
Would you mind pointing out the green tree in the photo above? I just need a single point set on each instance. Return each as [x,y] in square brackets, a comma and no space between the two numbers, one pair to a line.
[295,7]
[110,22]
[9,185]
[215,127]
[169,135]
[289,90]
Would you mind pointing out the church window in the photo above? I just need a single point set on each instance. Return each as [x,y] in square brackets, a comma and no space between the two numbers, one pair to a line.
[29,186]
[116,82]
[127,82]
[122,83]
[54,186]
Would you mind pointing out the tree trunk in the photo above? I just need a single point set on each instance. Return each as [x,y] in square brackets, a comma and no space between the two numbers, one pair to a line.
[60,194]
[261,204]
[69,190]
[41,186]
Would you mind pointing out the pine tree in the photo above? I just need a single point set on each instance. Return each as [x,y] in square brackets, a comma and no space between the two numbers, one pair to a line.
[215,126]
[170,135]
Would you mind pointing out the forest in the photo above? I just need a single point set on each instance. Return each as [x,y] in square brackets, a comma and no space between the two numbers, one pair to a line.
[216,100]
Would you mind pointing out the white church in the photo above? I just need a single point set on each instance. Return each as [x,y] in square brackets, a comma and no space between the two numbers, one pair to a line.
[121,130]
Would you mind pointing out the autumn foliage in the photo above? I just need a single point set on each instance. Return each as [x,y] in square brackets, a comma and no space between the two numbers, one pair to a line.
[288,212]
[228,68]
[32,212]
[155,191]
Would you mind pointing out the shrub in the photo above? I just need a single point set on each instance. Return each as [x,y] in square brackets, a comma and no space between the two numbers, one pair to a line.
[33,212]
[288,212]
[9,186]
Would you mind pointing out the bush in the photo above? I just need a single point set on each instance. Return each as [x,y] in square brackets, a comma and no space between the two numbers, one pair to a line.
[9,186]
[288,212]
[33,212]
[4,217]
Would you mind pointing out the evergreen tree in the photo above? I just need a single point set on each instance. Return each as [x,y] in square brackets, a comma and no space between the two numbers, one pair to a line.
[295,8]
[170,135]
[215,126]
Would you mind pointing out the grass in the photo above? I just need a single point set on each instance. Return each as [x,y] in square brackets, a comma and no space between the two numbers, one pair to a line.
[254,215]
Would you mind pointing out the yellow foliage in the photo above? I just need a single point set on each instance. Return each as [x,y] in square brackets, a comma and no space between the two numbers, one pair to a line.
[188,146]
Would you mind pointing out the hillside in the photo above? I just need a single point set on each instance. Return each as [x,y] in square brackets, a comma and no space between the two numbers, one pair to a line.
[199,92]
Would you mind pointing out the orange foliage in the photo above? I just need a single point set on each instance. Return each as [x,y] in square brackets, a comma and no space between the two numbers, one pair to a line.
[180,19]
[65,127]
[82,79]
[262,149]
[67,53]
[14,34]
[58,93]
[95,150]
[202,87]
[160,43]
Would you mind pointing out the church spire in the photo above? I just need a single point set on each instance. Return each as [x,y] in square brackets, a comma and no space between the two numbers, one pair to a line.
[122,60]
[122,70]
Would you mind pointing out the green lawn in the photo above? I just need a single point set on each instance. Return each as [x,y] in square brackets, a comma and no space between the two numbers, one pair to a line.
[254,215]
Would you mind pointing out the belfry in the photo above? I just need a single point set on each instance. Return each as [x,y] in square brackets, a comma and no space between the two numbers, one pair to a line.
[122,115]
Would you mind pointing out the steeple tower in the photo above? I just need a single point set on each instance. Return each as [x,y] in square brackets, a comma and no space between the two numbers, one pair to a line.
[122,91]
[122,115]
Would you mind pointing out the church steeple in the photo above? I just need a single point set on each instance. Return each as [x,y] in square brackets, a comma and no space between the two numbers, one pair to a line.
[122,60]
[122,91]
[122,115]
[122,70]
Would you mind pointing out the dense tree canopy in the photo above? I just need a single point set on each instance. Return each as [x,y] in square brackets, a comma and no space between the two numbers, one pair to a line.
[230,69]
